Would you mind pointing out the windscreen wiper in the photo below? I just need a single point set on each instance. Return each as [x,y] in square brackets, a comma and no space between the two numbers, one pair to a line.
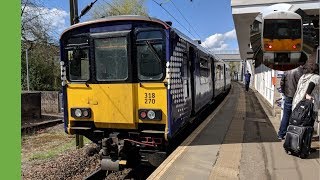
[154,51]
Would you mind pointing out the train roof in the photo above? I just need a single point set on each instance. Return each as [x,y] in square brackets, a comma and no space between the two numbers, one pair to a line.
[118,18]
[142,18]
[189,40]
[281,15]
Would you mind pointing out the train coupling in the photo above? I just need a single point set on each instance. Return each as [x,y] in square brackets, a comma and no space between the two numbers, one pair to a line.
[116,153]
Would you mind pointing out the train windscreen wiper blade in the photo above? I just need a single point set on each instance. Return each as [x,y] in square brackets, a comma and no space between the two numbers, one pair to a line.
[154,51]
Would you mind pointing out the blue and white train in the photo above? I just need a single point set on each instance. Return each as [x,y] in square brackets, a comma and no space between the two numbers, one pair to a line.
[131,83]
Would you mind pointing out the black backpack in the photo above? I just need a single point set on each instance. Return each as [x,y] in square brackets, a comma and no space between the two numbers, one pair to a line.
[302,115]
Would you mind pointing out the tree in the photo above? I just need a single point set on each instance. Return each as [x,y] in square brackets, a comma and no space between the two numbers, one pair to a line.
[120,7]
[34,25]
[233,68]
[44,69]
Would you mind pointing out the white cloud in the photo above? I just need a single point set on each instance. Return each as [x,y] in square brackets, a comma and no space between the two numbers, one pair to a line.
[53,20]
[231,34]
[219,41]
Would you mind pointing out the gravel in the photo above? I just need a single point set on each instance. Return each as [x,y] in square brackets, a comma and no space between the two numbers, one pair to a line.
[71,165]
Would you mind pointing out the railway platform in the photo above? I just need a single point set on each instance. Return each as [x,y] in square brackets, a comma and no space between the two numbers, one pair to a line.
[238,141]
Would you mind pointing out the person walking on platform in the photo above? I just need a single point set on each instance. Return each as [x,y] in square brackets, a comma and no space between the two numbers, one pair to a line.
[288,85]
[247,77]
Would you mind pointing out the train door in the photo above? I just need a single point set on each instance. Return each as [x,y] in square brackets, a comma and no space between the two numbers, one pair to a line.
[318,54]
[192,71]
[224,78]
[213,71]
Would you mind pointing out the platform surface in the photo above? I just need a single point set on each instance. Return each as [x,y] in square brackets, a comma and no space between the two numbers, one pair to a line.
[237,141]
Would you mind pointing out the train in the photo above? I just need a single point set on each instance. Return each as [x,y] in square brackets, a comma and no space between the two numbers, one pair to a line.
[132,83]
[282,38]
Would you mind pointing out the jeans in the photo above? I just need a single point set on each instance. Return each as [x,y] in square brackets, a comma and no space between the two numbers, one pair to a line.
[287,110]
[247,85]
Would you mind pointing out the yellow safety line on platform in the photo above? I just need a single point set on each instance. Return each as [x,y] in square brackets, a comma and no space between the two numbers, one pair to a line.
[228,163]
[182,148]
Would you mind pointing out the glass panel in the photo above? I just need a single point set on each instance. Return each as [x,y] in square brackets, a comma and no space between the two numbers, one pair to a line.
[150,67]
[149,35]
[111,59]
[282,29]
[79,64]
[150,55]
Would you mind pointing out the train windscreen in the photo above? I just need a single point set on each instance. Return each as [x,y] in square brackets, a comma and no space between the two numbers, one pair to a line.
[282,29]
[111,59]
[78,59]
[150,55]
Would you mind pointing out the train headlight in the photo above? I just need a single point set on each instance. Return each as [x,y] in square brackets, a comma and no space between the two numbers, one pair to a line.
[143,114]
[268,46]
[151,114]
[81,112]
[296,46]
[78,112]
[85,113]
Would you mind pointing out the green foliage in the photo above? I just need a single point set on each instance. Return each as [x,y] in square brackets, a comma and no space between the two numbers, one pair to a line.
[44,68]
[43,55]
[234,66]
[120,7]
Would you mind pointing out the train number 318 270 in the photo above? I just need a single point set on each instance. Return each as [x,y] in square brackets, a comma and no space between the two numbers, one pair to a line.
[149,98]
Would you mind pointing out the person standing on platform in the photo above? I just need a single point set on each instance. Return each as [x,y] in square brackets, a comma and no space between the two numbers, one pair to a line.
[309,88]
[288,84]
[247,77]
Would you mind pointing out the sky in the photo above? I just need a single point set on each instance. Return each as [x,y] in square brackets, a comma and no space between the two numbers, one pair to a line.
[208,20]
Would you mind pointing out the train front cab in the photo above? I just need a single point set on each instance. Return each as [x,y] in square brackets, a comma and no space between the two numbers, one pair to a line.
[282,39]
[114,80]
[134,80]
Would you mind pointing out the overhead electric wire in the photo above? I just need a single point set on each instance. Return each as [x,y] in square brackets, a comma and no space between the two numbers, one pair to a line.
[185,18]
[160,4]
[203,45]
[112,6]
[96,13]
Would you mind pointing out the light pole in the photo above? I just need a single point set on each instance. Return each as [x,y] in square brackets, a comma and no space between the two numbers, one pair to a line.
[27,63]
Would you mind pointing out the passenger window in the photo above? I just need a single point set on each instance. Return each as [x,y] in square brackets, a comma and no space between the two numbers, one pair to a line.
[219,72]
[77,54]
[78,64]
[204,67]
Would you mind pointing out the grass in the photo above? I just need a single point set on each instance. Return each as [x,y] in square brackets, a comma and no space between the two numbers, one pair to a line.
[51,153]
[47,145]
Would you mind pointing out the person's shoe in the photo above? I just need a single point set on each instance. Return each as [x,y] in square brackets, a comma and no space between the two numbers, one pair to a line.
[313,150]
[280,138]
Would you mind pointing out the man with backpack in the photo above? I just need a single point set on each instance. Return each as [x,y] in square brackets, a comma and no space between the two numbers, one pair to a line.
[305,108]
[288,85]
